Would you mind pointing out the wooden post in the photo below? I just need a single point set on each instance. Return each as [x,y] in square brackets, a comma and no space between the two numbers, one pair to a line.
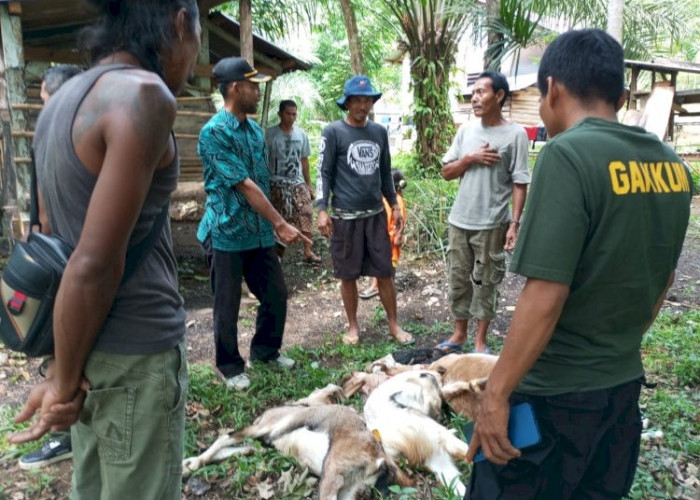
[266,104]
[245,13]
[633,87]
[204,82]
[672,117]
[16,179]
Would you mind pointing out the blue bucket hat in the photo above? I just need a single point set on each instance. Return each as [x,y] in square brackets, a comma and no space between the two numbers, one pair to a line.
[358,85]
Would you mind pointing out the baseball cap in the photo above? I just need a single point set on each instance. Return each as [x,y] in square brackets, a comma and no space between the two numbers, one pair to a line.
[235,69]
[358,85]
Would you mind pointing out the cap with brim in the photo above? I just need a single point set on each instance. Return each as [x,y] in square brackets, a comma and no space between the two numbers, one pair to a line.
[236,69]
[358,85]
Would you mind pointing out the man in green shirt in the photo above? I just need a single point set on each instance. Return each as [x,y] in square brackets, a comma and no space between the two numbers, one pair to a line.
[602,233]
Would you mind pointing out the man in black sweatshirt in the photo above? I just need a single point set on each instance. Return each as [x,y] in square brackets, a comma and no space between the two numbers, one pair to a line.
[355,173]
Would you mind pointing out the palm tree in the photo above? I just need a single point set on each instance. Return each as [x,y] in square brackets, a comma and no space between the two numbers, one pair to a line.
[645,27]
[355,45]
[430,31]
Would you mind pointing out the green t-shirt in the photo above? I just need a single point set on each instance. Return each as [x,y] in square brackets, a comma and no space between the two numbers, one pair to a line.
[231,152]
[607,215]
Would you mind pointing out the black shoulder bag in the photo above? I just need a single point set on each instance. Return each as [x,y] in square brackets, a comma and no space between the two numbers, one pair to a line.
[32,275]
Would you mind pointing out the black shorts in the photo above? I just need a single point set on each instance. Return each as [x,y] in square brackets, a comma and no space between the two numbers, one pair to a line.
[361,247]
[589,449]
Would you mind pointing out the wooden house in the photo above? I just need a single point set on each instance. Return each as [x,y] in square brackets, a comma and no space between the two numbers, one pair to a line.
[41,32]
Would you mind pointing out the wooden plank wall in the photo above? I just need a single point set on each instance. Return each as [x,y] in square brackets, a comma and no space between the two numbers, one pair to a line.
[193,113]
[525,107]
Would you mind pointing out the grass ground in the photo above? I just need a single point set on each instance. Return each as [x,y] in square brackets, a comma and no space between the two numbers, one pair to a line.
[667,466]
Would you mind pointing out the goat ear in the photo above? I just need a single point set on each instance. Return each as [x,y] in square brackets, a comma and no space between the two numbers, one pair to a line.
[352,384]
[478,385]
[338,393]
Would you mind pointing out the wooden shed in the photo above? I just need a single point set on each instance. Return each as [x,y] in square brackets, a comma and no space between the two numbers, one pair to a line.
[41,32]
[657,106]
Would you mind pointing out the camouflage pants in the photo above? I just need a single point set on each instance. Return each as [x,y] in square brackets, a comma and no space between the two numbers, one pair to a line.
[476,266]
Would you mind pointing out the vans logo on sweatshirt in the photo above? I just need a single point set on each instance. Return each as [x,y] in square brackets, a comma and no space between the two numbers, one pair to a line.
[363,157]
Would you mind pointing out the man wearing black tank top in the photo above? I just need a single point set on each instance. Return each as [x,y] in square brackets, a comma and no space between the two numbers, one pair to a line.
[120,373]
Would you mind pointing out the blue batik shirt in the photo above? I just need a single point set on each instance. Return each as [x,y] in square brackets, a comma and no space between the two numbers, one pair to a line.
[231,152]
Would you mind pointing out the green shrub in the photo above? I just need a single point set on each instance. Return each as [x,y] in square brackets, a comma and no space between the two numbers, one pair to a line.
[695,174]
[428,202]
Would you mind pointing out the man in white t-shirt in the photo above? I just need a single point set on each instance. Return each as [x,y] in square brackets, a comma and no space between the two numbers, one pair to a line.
[489,157]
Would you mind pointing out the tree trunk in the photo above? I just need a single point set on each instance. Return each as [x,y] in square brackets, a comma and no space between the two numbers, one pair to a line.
[493,39]
[615,12]
[356,60]
[431,106]
[245,14]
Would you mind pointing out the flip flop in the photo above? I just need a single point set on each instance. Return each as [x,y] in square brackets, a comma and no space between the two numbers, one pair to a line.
[407,340]
[347,340]
[447,347]
[368,294]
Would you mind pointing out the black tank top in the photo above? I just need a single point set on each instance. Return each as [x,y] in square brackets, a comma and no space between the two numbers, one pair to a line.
[147,315]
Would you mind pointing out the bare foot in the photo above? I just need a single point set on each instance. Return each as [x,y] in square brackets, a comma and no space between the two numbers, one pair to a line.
[352,337]
[402,337]
[312,258]
[348,340]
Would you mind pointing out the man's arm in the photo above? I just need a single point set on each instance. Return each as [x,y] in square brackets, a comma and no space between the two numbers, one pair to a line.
[660,301]
[388,189]
[537,311]
[121,134]
[485,155]
[307,176]
[257,199]
[519,197]
[327,164]
[305,153]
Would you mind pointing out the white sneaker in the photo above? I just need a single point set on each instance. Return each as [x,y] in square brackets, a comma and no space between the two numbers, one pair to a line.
[238,382]
[284,361]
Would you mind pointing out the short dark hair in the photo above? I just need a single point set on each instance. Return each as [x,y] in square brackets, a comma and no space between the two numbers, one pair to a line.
[287,103]
[498,82]
[140,27]
[589,63]
[222,86]
[57,75]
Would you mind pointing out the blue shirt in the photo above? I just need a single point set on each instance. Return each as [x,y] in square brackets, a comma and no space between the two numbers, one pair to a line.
[231,152]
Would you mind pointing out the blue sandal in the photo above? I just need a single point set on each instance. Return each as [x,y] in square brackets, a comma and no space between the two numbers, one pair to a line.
[447,347]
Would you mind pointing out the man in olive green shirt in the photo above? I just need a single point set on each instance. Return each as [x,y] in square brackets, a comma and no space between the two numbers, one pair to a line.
[602,233]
